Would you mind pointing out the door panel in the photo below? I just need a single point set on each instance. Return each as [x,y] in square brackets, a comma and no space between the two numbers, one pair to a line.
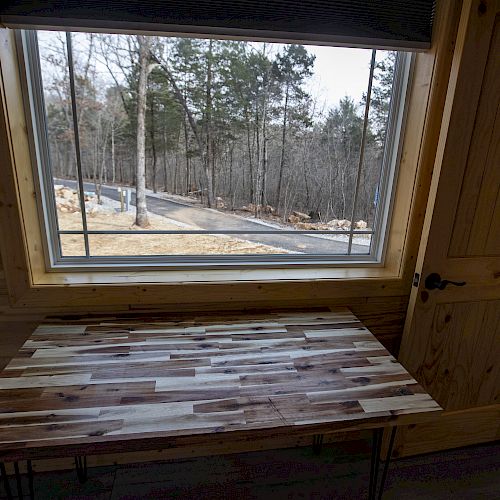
[451,342]
[462,363]
[480,187]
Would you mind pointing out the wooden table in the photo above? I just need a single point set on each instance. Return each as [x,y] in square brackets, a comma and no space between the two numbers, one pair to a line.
[77,390]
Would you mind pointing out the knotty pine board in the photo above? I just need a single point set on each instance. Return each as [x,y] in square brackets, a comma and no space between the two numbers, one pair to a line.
[143,385]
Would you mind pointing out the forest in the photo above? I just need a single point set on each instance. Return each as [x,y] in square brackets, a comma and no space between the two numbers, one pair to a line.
[231,122]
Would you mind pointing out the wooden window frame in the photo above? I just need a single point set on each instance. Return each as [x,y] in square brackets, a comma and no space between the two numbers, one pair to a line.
[21,243]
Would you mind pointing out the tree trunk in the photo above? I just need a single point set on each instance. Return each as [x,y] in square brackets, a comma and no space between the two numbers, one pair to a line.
[188,167]
[165,165]
[113,157]
[250,155]
[262,160]
[283,143]
[141,217]
[153,146]
[102,170]
[209,160]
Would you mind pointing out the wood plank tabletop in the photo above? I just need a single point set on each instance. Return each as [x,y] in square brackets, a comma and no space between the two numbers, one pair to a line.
[129,385]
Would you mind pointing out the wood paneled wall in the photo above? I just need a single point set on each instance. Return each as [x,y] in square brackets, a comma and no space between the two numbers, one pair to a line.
[383,312]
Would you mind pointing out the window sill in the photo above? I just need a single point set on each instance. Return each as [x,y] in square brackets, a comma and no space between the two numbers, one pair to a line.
[222,290]
[211,276]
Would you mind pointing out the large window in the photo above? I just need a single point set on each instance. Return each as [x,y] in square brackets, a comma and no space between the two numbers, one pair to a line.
[172,151]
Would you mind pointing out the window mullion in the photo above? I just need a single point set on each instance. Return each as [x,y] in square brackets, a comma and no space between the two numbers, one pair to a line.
[77,142]
[362,150]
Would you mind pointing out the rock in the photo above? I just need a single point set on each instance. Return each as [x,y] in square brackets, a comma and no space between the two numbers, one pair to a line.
[67,193]
[293,219]
[315,216]
[312,226]
[301,216]
[265,209]
[306,226]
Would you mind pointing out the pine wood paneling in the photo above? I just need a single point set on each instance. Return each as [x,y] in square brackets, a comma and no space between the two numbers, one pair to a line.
[383,315]
[449,430]
[475,230]
[462,356]
[13,334]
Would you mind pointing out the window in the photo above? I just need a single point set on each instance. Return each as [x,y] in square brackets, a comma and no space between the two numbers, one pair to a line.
[168,151]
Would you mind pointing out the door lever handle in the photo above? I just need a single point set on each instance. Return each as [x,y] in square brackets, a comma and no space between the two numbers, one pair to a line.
[434,282]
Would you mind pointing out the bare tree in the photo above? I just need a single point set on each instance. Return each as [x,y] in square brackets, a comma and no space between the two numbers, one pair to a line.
[141,215]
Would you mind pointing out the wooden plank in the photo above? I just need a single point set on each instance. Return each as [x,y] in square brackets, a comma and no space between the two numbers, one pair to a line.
[203,378]
[462,355]
[13,334]
[481,179]
[222,447]
[449,430]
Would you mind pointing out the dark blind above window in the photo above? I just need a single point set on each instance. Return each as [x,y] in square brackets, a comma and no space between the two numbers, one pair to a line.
[396,23]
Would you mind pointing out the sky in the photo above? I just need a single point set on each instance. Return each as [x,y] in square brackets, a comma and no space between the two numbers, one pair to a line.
[338,71]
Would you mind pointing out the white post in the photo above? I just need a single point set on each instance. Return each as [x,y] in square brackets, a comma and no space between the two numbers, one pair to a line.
[128,198]
[120,194]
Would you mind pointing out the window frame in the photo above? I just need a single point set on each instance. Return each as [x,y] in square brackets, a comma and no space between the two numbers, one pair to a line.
[31,288]
[31,79]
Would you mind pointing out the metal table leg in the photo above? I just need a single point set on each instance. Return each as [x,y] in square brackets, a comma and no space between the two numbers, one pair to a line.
[30,480]
[81,468]
[19,481]
[375,462]
[317,443]
[5,481]
[376,489]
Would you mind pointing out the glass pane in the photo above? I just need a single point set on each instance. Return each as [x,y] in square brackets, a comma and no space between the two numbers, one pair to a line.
[361,244]
[368,194]
[227,135]
[57,98]
[72,245]
[230,244]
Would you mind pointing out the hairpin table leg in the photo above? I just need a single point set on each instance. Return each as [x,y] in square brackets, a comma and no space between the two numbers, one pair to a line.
[30,480]
[317,443]
[375,462]
[375,490]
[386,462]
[81,468]
[19,480]
[5,481]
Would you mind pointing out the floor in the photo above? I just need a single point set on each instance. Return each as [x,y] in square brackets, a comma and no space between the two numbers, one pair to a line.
[339,472]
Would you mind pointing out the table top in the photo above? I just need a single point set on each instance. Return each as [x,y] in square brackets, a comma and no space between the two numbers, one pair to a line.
[77,388]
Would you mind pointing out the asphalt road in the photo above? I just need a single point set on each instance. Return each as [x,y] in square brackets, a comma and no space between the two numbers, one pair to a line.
[209,220]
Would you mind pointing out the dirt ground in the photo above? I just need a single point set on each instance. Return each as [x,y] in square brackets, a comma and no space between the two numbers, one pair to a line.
[143,244]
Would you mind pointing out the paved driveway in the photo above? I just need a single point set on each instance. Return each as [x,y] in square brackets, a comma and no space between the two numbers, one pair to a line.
[211,220]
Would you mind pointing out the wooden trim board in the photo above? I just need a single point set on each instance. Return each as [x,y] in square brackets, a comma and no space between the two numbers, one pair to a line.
[448,430]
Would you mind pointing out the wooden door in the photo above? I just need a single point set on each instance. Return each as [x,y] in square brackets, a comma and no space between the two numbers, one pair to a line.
[451,342]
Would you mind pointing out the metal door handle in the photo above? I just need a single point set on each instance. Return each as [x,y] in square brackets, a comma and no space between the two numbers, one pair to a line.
[434,282]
